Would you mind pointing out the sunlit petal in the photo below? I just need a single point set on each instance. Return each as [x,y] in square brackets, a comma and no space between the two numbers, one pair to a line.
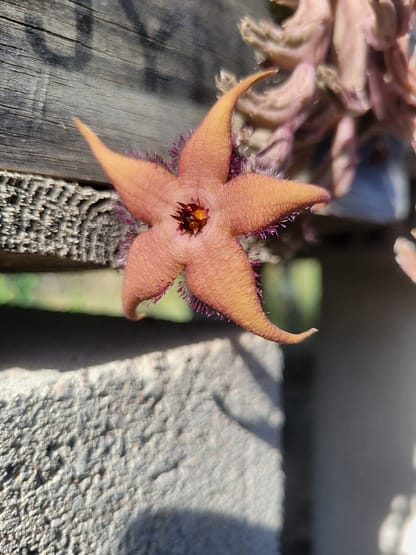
[220,275]
[142,185]
[205,160]
[152,265]
[255,200]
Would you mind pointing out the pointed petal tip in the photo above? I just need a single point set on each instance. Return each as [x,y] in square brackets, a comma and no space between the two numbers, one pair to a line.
[313,197]
[252,79]
[304,335]
[206,155]
[131,314]
[92,139]
[286,338]
[85,131]
[271,332]
[78,123]
[318,207]
[320,197]
[323,195]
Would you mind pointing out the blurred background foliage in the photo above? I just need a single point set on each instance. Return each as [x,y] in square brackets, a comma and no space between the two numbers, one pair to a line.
[291,294]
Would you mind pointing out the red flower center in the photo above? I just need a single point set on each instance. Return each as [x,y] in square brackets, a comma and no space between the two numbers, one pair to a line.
[191,217]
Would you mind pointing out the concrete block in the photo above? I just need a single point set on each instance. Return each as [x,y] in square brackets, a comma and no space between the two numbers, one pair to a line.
[149,438]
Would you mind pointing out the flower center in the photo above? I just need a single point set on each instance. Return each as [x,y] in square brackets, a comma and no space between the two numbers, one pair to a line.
[191,217]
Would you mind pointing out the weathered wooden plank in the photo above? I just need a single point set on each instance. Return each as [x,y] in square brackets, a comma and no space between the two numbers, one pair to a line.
[57,219]
[139,72]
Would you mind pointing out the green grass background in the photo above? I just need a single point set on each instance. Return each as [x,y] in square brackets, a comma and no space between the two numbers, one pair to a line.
[291,294]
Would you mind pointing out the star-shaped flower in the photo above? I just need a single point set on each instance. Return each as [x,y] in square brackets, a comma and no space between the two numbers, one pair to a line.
[195,219]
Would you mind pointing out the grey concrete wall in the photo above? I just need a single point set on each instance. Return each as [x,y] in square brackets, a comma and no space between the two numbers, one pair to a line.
[147,438]
[365,418]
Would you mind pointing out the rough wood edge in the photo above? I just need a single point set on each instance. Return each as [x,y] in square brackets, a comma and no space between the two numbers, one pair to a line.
[48,223]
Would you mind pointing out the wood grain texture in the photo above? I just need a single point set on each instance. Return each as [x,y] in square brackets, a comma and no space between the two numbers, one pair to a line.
[57,220]
[138,72]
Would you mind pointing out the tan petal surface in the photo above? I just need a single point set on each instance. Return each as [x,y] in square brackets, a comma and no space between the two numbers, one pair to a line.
[252,201]
[141,184]
[206,156]
[151,267]
[220,275]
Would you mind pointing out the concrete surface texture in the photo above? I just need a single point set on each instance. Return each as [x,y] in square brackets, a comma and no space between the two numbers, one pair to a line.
[150,438]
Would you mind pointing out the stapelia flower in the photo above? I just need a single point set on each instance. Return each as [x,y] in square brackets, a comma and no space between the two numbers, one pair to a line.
[195,217]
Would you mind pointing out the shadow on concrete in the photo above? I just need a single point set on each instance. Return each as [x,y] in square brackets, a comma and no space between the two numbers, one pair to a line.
[172,532]
[37,339]
[269,385]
